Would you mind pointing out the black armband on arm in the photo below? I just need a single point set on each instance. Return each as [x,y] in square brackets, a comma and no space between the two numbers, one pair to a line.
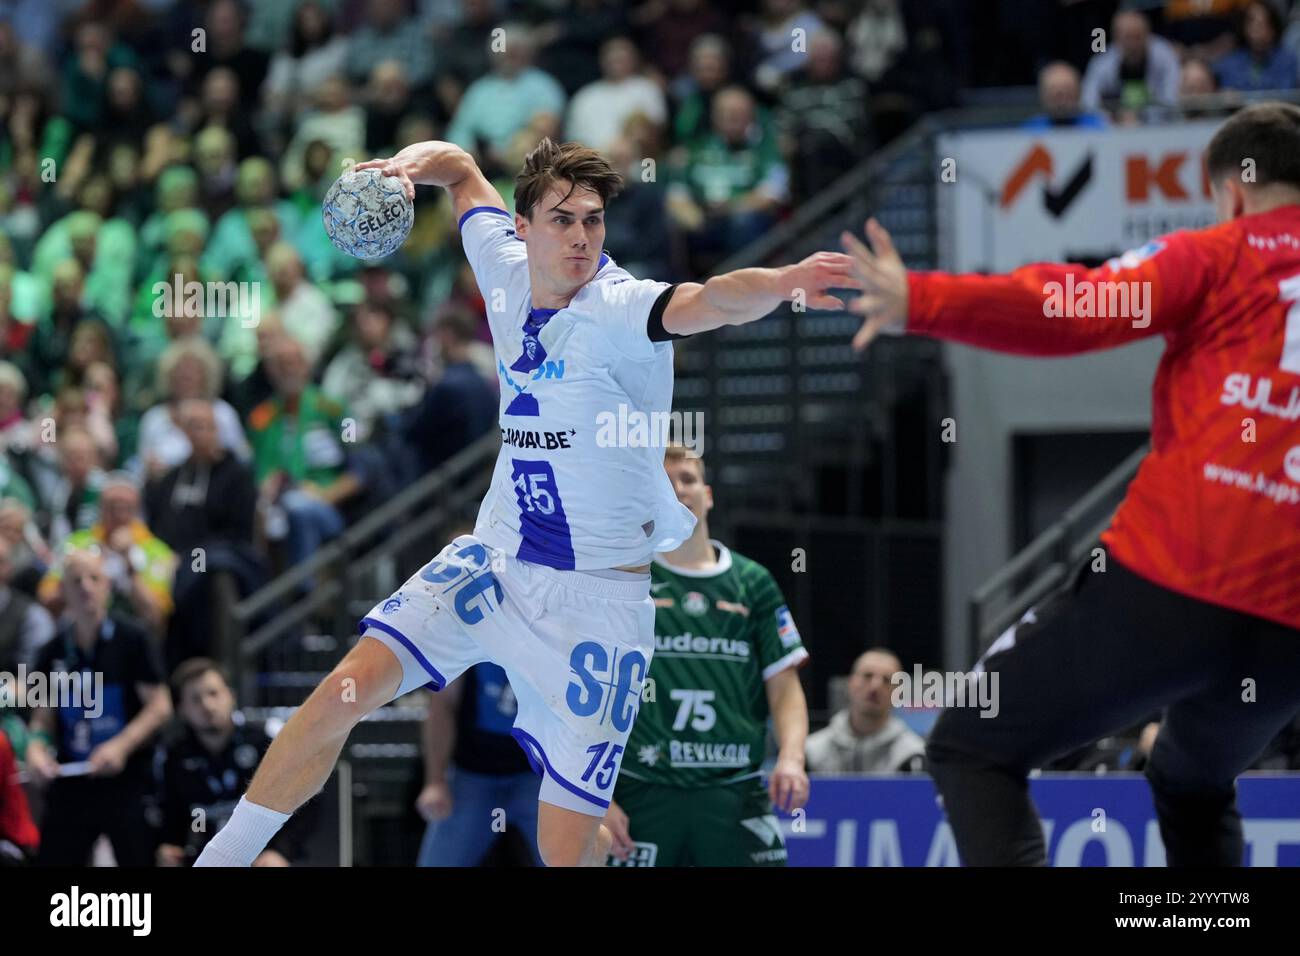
[655,324]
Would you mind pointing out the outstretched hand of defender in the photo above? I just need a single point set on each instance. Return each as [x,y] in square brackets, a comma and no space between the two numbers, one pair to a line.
[883,303]
[390,167]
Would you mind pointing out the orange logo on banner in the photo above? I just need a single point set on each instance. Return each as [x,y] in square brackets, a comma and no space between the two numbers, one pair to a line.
[1139,177]
[1038,161]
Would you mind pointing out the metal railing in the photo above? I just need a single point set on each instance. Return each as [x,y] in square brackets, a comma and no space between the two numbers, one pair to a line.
[1046,563]
[358,567]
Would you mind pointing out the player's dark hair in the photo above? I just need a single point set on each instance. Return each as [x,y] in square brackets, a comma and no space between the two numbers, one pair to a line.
[551,162]
[191,670]
[1267,134]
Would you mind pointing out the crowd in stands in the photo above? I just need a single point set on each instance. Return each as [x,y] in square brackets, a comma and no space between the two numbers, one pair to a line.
[1189,60]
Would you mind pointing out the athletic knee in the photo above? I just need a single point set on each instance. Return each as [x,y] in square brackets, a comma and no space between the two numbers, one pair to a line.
[363,681]
[561,849]
[558,852]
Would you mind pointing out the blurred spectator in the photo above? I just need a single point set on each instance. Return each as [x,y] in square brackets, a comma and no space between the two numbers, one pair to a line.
[459,407]
[203,509]
[53,333]
[306,313]
[14,485]
[877,38]
[388,99]
[165,313]
[29,555]
[271,22]
[786,28]
[92,349]
[74,496]
[255,387]
[1059,96]
[710,71]
[377,372]
[568,42]
[389,34]
[636,227]
[95,755]
[1202,28]
[22,67]
[226,48]
[1194,82]
[299,462]
[822,117]
[15,429]
[220,106]
[85,73]
[127,112]
[139,566]
[866,737]
[215,161]
[233,251]
[334,121]
[600,111]
[22,298]
[667,30]
[1136,71]
[1262,62]
[102,245]
[25,626]
[206,765]
[500,106]
[315,53]
[106,415]
[471,766]
[730,183]
[177,187]
[19,838]
[189,369]
[468,51]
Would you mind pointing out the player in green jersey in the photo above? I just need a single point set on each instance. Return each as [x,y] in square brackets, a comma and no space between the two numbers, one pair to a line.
[726,657]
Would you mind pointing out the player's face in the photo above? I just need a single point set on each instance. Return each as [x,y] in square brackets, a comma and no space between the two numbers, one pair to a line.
[688,483]
[565,236]
[207,703]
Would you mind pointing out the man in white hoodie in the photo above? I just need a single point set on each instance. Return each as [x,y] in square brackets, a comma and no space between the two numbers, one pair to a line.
[866,737]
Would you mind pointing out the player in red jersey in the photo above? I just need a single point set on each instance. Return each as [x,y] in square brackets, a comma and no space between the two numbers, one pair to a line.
[1198,608]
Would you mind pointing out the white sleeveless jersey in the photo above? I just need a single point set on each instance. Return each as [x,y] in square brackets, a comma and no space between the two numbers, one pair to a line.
[579,482]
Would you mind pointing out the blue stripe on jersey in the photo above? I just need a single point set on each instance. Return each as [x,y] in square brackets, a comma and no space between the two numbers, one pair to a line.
[543,525]
[533,354]
[469,212]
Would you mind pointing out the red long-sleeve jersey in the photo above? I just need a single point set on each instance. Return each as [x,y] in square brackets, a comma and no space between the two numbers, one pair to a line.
[1214,511]
[16,824]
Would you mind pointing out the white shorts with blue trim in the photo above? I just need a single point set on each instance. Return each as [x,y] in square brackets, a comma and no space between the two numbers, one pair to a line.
[575,645]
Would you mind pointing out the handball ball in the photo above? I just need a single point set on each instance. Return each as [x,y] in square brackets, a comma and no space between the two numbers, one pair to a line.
[367,214]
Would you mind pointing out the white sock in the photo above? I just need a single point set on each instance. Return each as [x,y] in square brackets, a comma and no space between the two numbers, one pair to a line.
[244,836]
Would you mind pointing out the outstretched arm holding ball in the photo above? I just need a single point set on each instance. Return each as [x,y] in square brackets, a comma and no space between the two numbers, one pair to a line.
[436,163]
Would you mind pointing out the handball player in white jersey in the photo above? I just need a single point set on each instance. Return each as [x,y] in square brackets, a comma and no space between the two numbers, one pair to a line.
[553,585]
